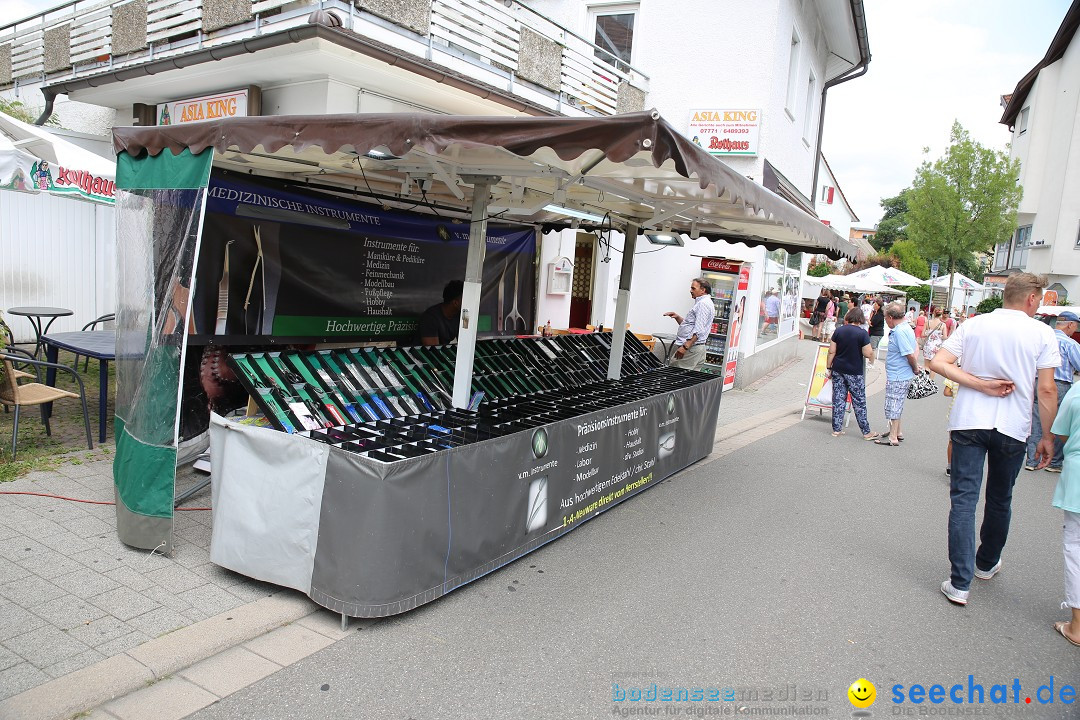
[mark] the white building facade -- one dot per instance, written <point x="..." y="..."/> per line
<point x="769" y="59"/>
<point x="1044" y="117"/>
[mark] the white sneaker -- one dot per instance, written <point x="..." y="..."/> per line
<point x="955" y="596"/>
<point x="987" y="574"/>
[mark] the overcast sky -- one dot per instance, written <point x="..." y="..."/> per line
<point x="933" y="61"/>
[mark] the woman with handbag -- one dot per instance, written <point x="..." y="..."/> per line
<point x="877" y="325"/>
<point x="935" y="333"/>
<point x="829" y="324"/>
<point x="817" y="317"/>
<point x="849" y="347"/>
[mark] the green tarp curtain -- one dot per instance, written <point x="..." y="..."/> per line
<point x="164" y="171"/>
<point x="160" y="203"/>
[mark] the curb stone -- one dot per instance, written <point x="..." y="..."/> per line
<point x="133" y="670"/>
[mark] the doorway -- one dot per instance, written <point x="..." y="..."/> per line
<point x="581" y="288"/>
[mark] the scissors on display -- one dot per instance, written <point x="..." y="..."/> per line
<point x="514" y="322"/>
<point x="502" y="280"/>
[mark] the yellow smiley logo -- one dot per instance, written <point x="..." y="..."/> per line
<point x="862" y="693"/>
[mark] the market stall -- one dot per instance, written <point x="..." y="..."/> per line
<point x="482" y="454"/>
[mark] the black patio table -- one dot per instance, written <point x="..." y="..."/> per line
<point x="35" y="314"/>
<point x="100" y="344"/>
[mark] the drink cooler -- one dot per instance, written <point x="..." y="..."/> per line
<point x="371" y="531"/>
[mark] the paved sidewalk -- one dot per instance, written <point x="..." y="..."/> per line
<point x="85" y="620"/>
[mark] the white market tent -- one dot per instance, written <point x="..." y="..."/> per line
<point x="887" y="276"/>
<point x="15" y="167"/>
<point x="959" y="282"/>
<point x="1055" y="310"/>
<point x="965" y="291"/>
<point x="850" y="283"/>
<point x="57" y="166"/>
<point x="57" y="230"/>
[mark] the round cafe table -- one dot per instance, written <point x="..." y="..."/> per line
<point x="35" y="315"/>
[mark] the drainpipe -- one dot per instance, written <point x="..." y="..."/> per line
<point x="50" y="97"/>
<point x="858" y="13"/>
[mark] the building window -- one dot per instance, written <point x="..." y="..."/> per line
<point x="793" y="74"/>
<point x="827" y="192"/>
<point x="779" y="305"/>
<point x="1021" y="247"/>
<point x="808" y="119"/>
<point x="1001" y="256"/>
<point x="1021" y="126"/>
<point x="613" y="33"/>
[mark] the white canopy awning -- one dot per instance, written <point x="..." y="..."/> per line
<point x="16" y="167"/>
<point x="887" y="276"/>
<point x="960" y="282"/>
<point x="628" y="170"/>
<point x="56" y="165"/>
<point x="850" y="283"/>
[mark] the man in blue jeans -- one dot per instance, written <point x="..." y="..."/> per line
<point x="1002" y="354"/>
<point x="1066" y="325"/>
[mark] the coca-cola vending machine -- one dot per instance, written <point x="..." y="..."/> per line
<point x="730" y="280"/>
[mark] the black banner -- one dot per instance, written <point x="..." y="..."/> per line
<point x="290" y="264"/>
<point x="394" y="537"/>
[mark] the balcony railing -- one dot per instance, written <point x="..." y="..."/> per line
<point x="486" y="35"/>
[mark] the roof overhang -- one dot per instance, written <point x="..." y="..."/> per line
<point x="844" y="25"/>
<point x="1057" y="49"/>
<point x="631" y="170"/>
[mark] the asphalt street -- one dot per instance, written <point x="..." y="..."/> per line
<point x="784" y="572"/>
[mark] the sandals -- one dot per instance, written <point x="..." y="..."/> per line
<point x="1060" y="628"/>
<point x="872" y="436"/>
<point x="886" y="441"/>
<point x="838" y="434"/>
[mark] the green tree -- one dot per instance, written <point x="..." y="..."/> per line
<point x="882" y="259"/>
<point x="918" y="293"/>
<point x="911" y="260"/>
<point x="819" y="269"/>
<point x="20" y="111"/>
<point x="964" y="202"/>
<point x="990" y="304"/>
<point x="893" y="224"/>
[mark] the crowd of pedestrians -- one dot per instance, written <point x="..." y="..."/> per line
<point x="1014" y="406"/>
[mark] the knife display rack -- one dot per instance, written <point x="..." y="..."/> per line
<point x="394" y="403"/>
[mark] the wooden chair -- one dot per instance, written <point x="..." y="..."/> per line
<point x="35" y="393"/>
<point x="7" y="338"/>
<point x="15" y="371"/>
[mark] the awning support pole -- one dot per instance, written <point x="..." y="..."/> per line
<point x="470" y="297"/>
<point x="622" y="304"/>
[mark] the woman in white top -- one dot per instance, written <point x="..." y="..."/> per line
<point x="935" y="333"/>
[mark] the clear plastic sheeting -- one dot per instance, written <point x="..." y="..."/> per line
<point x="156" y="245"/>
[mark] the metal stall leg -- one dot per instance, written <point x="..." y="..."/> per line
<point x="622" y="305"/>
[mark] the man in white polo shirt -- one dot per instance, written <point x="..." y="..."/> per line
<point x="1002" y="354"/>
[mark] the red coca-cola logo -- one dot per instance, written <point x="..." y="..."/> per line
<point x="718" y="265"/>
